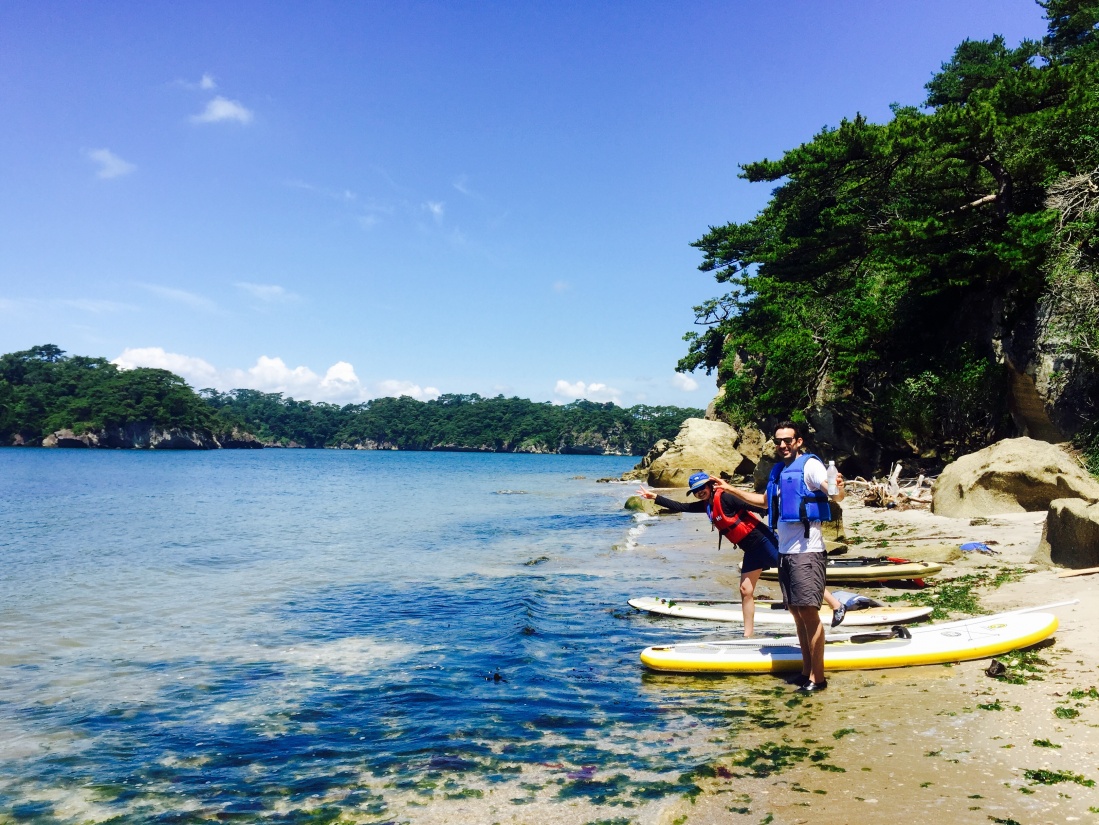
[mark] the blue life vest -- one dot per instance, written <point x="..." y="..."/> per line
<point x="790" y="499"/>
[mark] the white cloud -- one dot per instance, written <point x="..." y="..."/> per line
<point x="194" y="371"/>
<point x="205" y="83"/>
<point x="267" y="293"/>
<point x="98" y="306"/>
<point x="462" y="185"/>
<point x="436" y="208"/>
<point x="684" y="382"/>
<point x="182" y="296"/>
<point x="395" y="389"/>
<point x="220" y="109"/>
<point x="110" y="164"/>
<point x="338" y="385"/>
<point x="592" y="392"/>
<point x="334" y="194"/>
<point x="561" y="286"/>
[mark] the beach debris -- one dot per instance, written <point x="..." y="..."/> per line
<point x="996" y="668"/>
<point x="1087" y="571"/>
<point x="894" y="491"/>
<point x="979" y="547"/>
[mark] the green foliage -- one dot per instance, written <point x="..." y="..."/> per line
<point x="42" y="390"/>
<point x="889" y="254"/>
<point x="1087" y="442"/>
<point x="454" y="422"/>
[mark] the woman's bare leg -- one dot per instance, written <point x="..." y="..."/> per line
<point x="748" y="601"/>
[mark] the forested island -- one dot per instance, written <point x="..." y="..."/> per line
<point x="53" y="399"/>
<point x="921" y="288"/>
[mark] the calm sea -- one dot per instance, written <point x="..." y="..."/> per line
<point x="312" y="636"/>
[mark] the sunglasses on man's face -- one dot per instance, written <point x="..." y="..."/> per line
<point x="780" y="441"/>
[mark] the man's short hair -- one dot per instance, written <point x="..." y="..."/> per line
<point x="790" y="425"/>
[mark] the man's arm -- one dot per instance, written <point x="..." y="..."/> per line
<point x="816" y="478"/>
<point x="754" y="499"/>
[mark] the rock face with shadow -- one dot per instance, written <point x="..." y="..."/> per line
<point x="1012" y="476"/>
<point x="1070" y="537"/>
<point x="134" y="437"/>
<point x="701" y="445"/>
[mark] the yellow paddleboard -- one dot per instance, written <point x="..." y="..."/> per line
<point x="974" y="638"/>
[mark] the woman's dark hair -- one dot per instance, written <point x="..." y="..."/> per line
<point x="790" y="425"/>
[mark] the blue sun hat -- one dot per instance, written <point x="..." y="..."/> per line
<point x="698" y="481"/>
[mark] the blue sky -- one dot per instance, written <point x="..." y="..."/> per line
<point x="342" y="200"/>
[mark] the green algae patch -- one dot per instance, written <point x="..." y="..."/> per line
<point x="770" y="758"/>
<point x="466" y="793"/>
<point x="959" y="595"/>
<point x="1021" y="666"/>
<point x="1063" y="712"/>
<point x="610" y="791"/>
<point x="842" y="732"/>
<point x="1090" y="693"/>
<point x="1047" y="777"/>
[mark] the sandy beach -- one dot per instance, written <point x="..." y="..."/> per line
<point x="906" y="744"/>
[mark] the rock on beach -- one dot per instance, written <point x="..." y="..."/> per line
<point x="1015" y="475"/>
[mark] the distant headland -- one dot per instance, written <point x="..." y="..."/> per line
<point x="51" y="399"/>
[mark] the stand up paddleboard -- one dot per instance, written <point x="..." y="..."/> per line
<point x="870" y="569"/>
<point x="773" y="612"/>
<point x="978" y="637"/>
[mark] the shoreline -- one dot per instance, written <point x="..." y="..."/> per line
<point x="935" y="740"/>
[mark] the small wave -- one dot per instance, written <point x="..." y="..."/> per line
<point x="511" y="492"/>
<point x="643" y="520"/>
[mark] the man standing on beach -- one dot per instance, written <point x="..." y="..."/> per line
<point x="741" y="526"/>
<point x="797" y="500"/>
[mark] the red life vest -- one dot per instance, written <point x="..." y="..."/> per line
<point x="735" y="527"/>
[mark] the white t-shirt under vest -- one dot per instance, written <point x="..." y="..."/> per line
<point x="791" y="534"/>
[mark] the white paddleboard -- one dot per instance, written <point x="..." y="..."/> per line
<point x="766" y="614"/>
<point x="978" y="637"/>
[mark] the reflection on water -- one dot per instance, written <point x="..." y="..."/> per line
<point x="312" y="634"/>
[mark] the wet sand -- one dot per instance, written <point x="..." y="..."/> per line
<point x="907" y="744"/>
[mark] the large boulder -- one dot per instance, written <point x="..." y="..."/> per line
<point x="640" y="472"/>
<point x="1071" y="534"/>
<point x="700" y="445"/>
<point x="1012" y="476"/>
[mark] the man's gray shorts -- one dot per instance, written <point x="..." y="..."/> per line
<point x="801" y="576"/>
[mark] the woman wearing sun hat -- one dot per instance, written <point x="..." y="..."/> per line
<point x="739" y="523"/>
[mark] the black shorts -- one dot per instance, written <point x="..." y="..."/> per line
<point x="801" y="576"/>
<point x="760" y="550"/>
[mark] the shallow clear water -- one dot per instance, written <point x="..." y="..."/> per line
<point x="301" y="635"/>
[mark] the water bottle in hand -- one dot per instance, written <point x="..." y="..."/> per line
<point x="833" y="489"/>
